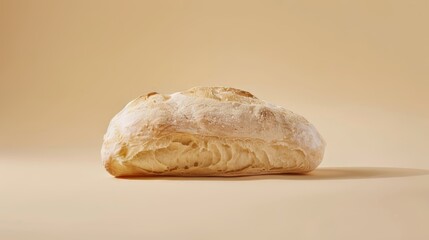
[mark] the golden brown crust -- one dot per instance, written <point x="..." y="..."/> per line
<point x="209" y="131"/>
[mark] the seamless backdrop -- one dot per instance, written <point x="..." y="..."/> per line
<point x="358" y="70"/>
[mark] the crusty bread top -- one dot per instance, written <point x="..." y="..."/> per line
<point x="208" y="111"/>
<point x="223" y="94"/>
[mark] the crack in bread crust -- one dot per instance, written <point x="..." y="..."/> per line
<point x="183" y="154"/>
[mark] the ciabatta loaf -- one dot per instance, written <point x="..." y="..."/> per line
<point x="209" y="131"/>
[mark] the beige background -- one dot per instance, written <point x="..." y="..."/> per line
<point x="359" y="70"/>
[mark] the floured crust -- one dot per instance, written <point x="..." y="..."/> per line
<point x="209" y="131"/>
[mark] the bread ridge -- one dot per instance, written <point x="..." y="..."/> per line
<point x="210" y="115"/>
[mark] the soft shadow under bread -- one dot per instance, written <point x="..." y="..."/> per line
<point x="324" y="173"/>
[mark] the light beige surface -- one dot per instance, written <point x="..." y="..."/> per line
<point x="73" y="198"/>
<point x="358" y="70"/>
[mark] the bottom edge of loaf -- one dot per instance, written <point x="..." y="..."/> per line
<point x="193" y="155"/>
<point x="120" y="170"/>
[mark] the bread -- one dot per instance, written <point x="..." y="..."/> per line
<point x="209" y="131"/>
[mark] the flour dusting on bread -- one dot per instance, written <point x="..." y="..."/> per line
<point x="209" y="131"/>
